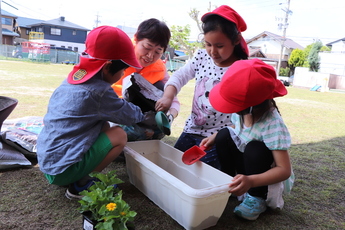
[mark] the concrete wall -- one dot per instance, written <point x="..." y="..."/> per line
<point x="306" y="79"/>
<point x="332" y="62"/>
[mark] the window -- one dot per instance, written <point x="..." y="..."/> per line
<point x="74" y="32"/>
<point x="6" y="21"/>
<point x="55" y="31"/>
<point x="75" y="49"/>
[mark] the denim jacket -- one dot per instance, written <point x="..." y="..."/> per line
<point x="75" y="117"/>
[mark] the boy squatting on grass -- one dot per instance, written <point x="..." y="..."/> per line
<point x="254" y="150"/>
<point x="77" y="139"/>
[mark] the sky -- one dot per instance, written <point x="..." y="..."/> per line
<point x="309" y="21"/>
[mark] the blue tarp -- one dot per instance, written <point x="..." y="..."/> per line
<point x="179" y="53"/>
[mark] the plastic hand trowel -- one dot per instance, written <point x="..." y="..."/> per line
<point x="193" y="154"/>
<point x="163" y="122"/>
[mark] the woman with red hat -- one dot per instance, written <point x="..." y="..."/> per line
<point x="224" y="45"/>
<point x="254" y="150"/>
<point x="77" y="138"/>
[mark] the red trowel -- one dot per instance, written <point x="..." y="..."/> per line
<point x="193" y="154"/>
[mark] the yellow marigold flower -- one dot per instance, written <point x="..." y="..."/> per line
<point x="111" y="206"/>
<point x="123" y="213"/>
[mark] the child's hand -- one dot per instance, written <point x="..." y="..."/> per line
<point x="240" y="185"/>
<point x="163" y="104"/>
<point x="208" y="142"/>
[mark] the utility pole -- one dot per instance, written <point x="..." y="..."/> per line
<point x="97" y="20"/>
<point x="287" y="12"/>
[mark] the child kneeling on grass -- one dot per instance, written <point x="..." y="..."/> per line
<point x="254" y="150"/>
<point x="77" y="138"/>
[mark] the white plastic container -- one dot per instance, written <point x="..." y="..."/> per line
<point x="194" y="195"/>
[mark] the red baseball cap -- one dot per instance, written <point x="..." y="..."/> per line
<point x="230" y="14"/>
<point x="104" y="43"/>
<point x="246" y="83"/>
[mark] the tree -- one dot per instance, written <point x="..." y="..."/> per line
<point x="307" y="50"/>
<point x="179" y="39"/>
<point x="180" y="34"/>
<point x="325" y="48"/>
<point x="194" y="14"/>
<point x="313" y="58"/>
<point x="296" y="59"/>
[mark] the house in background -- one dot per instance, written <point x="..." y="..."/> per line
<point x="8" y="22"/>
<point x="61" y="33"/>
<point x="130" y="31"/>
<point x="333" y="61"/>
<point x="23" y="29"/>
<point x="331" y="74"/>
<point x="269" y="45"/>
<point x="57" y="32"/>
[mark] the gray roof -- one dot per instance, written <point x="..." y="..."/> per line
<point x="331" y="43"/>
<point x="290" y="44"/>
<point x="61" y="22"/>
<point x="25" y="22"/>
<point x="5" y="13"/>
<point x="9" y="33"/>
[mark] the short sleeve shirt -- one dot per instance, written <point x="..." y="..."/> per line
<point x="272" y="131"/>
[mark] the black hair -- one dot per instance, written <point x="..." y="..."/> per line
<point x="260" y="111"/>
<point x="218" y="23"/>
<point x="154" y="30"/>
<point x="117" y="65"/>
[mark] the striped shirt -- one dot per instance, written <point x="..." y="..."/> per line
<point x="272" y="131"/>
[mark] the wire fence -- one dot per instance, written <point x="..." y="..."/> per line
<point x="55" y="55"/>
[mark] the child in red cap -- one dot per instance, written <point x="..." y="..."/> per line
<point x="254" y="149"/>
<point x="224" y="45"/>
<point x="76" y="138"/>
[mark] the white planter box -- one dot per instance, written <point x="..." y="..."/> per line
<point x="194" y="195"/>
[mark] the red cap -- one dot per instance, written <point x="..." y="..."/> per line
<point x="246" y="83"/>
<point x="230" y="14"/>
<point x="104" y="43"/>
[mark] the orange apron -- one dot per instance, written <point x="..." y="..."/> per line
<point x="152" y="73"/>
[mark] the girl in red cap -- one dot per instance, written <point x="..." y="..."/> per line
<point x="254" y="150"/>
<point x="224" y="45"/>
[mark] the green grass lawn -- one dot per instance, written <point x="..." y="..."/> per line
<point x="316" y="122"/>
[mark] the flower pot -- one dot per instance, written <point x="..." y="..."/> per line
<point x="88" y="223"/>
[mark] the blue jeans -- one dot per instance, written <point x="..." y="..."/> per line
<point x="187" y="140"/>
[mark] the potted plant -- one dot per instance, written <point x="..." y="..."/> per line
<point x="102" y="205"/>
